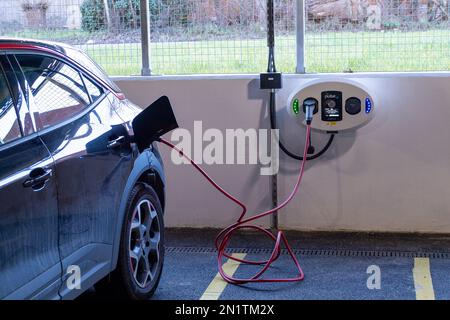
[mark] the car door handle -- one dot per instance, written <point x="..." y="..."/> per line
<point x="38" y="178"/>
<point x="115" y="143"/>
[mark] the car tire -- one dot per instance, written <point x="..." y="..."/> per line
<point x="141" y="252"/>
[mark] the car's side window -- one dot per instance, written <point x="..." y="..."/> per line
<point x="16" y="79"/>
<point x="58" y="90"/>
<point x="9" y="125"/>
<point x="93" y="90"/>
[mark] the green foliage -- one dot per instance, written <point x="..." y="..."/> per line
<point x="171" y="13"/>
<point x="124" y="14"/>
<point x="127" y="11"/>
<point x="387" y="25"/>
<point x="92" y="15"/>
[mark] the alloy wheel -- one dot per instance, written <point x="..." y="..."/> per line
<point x="144" y="242"/>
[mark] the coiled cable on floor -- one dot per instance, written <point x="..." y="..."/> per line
<point x="223" y="238"/>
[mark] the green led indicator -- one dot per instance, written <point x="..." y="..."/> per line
<point x="295" y="106"/>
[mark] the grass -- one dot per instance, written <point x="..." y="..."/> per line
<point x="325" y="52"/>
<point x="61" y="35"/>
<point x="376" y="51"/>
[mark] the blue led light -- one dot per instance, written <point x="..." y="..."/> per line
<point x="368" y="105"/>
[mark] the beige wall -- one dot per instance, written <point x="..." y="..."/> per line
<point x="391" y="175"/>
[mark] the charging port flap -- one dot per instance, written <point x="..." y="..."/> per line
<point x="153" y="122"/>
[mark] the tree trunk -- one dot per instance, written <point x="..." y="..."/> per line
<point x="133" y="14"/>
<point x="107" y="14"/>
<point x="355" y="10"/>
<point x="350" y="10"/>
<point x="422" y="11"/>
<point x="261" y="11"/>
<point x="373" y="21"/>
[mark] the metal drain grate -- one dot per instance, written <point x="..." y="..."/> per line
<point x="312" y="252"/>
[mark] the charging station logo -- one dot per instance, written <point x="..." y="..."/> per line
<point x="236" y="146"/>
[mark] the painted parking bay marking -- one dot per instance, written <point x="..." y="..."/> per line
<point x="422" y="279"/>
<point x="218" y="285"/>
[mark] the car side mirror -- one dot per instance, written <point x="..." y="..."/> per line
<point x="153" y="122"/>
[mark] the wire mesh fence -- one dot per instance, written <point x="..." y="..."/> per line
<point x="110" y="34"/>
<point x="187" y="36"/>
<point x="229" y="36"/>
<point x="377" y="35"/>
<point x="210" y="36"/>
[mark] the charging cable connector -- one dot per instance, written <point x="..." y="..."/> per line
<point x="310" y="105"/>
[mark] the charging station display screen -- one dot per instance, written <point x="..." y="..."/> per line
<point x="331" y="106"/>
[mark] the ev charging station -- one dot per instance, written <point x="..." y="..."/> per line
<point x="331" y="106"/>
<point x="338" y="105"/>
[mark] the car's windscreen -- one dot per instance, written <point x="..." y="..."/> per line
<point x="86" y="62"/>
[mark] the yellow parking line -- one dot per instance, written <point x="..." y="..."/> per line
<point x="217" y="285"/>
<point x="422" y="279"/>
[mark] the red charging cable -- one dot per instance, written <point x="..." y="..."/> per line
<point x="224" y="237"/>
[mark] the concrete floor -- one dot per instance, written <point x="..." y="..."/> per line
<point x="335" y="266"/>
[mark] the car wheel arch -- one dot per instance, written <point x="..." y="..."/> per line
<point x="145" y="171"/>
<point x="152" y="178"/>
